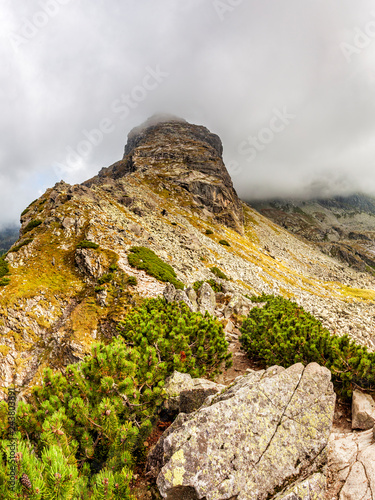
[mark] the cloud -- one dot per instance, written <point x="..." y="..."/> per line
<point x="77" y="76"/>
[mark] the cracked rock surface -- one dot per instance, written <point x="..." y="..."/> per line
<point x="254" y="440"/>
<point x="352" y="466"/>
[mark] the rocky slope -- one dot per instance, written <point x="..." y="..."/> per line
<point x="343" y="226"/>
<point x="171" y="193"/>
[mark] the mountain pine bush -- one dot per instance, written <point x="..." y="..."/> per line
<point x="87" y="244"/>
<point x="32" y="224"/>
<point x="81" y="432"/>
<point x="146" y="259"/>
<point x="283" y="333"/>
<point x="219" y="273"/>
<point x="186" y="341"/>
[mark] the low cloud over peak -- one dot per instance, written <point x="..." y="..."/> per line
<point x="288" y="86"/>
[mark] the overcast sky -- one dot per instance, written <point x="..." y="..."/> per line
<point x="289" y="86"/>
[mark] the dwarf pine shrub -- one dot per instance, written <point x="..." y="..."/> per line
<point x="32" y="224"/>
<point x="144" y="258"/>
<point x="224" y="242"/>
<point x="219" y="273"/>
<point x="283" y="333"/>
<point x="87" y="244"/>
<point x="82" y="431"/>
<point x="186" y="341"/>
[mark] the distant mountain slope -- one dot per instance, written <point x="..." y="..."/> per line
<point x="342" y="226"/>
<point x="7" y="237"/>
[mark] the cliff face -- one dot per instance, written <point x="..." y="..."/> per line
<point x="171" y="193"/>
<point x="187" y="155"/>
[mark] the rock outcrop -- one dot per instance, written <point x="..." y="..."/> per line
<point x="187" y="155"/>
<point x="266" y="431"/>
<point x="186" y="394"/>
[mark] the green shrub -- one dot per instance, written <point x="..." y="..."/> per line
<point x="224" y="242"/>
<point x="24" y="212"/>
<point x="216" y="287"/>
<point x="106" y="278"/>
<point x="4" y="281"/>
<point x="282" y="333"/>
<point x="146" y="259"/>
<point x="82" y="432"/>
<point x="209" y="231"/>
<point x="87" y="244"/>
<point x="113" y="267"/>
<point x="219" y="273"/>
<point x="32" y="224"/>
<point x="99" y="288"/>
<point x="174" y="329"/>
<point x="131" y="281"/>
<point x="20" y="245"/>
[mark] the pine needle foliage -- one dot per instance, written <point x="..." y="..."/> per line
<point x="219" y="273"/>
<point x="283" y="333"/>
<point x="184" y="340"/>
<point x="32" y="224"/>
<point x="82" y="431"/>
<point x="87" y="244"/>
<point x="144" y="258"/>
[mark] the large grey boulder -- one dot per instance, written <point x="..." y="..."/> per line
<point x="206" y="299"/>
<point x="238" y="305"/>
<point x="187" y="394"/>
<point x="89" y="262"/>
<point x="351" y="466"/>
<point x="251" y="441"/>
<point x="363" y="411"/>
<point x="172" y="295"/>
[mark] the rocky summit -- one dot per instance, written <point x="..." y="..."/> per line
<point x="79" y="267"/>
<point x="186" y="155"/>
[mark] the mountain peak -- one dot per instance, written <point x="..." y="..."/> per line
<point x="184" y="156"/>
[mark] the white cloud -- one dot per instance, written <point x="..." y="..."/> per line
<point x="227" y="74"/>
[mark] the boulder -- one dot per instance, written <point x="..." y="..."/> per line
<point x="351" y="466"/>
<point x="238" y="305"/>
<point x="251" y="441"/>
<point x="172" y="295"/>
<point x="187" y="394"/>
<point x="363" y="411"/>
<point x="192" y="296"/>
<point x="206" y="299"/>
<point x="89" y="262"/>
